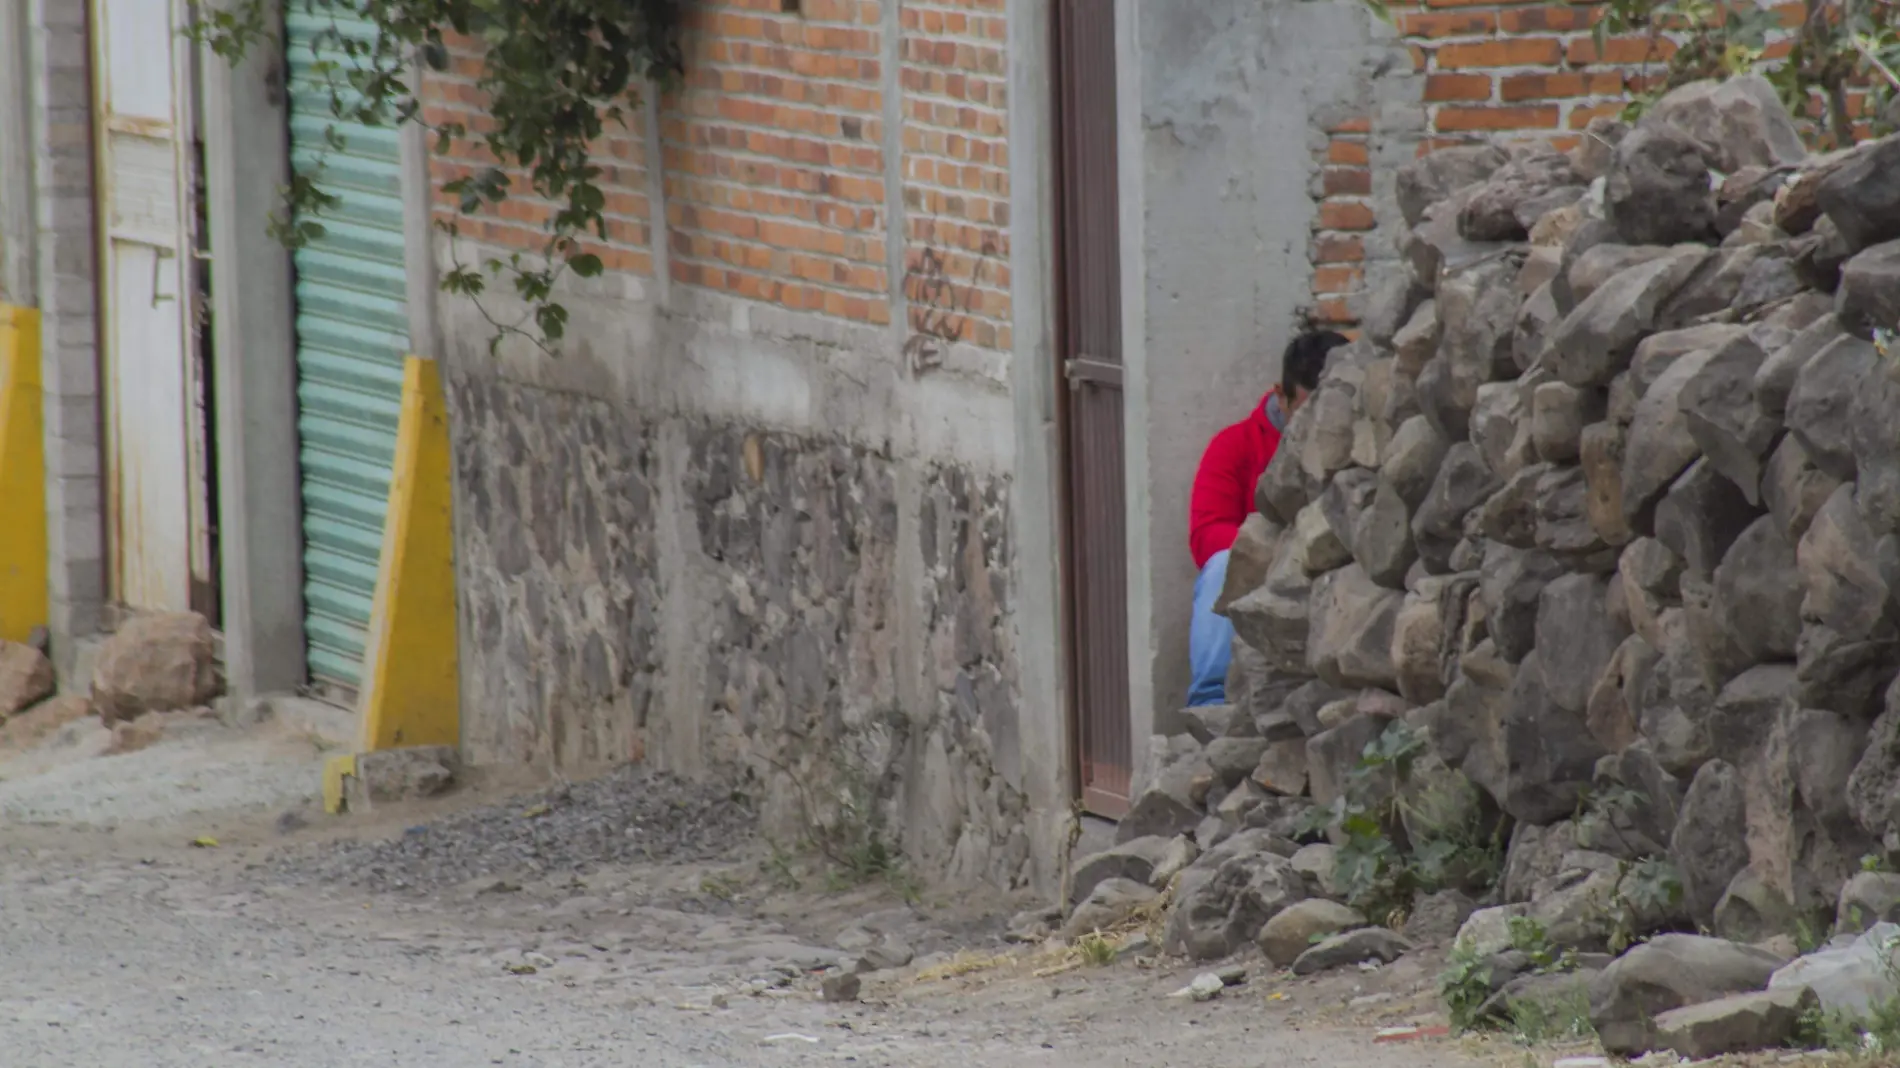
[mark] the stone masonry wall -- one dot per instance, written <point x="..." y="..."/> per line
<point x="1616" y="513"/>
<point x="1506" y="73"/>
<point x="676" y="543"/>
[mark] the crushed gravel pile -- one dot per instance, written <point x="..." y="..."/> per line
<point x="629" y="816"/>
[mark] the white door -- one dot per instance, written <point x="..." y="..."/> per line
<point x="156" y="507"/>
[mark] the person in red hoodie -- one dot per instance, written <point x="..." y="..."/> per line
<point x="1223" y="497"/>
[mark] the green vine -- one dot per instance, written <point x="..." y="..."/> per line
<point x="555" y="75"/>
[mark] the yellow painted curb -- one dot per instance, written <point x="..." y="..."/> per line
<point x="336" y="771"/>
<point x="412" y="694"/>
<point x="23" y="597"/>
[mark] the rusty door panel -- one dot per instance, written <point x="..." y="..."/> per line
<point x="1091" y="353"/>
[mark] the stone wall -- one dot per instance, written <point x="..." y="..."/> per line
<point x="743" y="603"/>
<point x="1597" y="555"/>
<point x="1615" y="509"/>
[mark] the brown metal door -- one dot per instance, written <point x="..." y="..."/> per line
<point x="1091" y="354"/>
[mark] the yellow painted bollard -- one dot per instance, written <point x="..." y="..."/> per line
<point x="412" y="690"/>
<point x="23" y="597"/>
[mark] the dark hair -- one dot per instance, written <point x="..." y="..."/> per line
<point x="1305" y="359"/>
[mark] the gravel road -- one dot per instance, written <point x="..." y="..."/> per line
<point x="126" y="948"/>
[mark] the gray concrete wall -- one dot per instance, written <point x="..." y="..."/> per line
<point x="65" y="251"/>
<point x="1218" y="122"/>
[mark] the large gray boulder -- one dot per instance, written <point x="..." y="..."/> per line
<point x="1559" y="412"/>
<point x="1134" y="860"/>
<point x="1660" y="445"/>
<point x="1463" y="483"/>
<point x="1289" y="935"/>
<point x="1565" y="527"/>
<point x="1735" y="123"/>
<point x="1658" y="190"/>
<point x="1758" y="593"/>
<point x="1223" y="901"/>
<point x="1382" y="537"/>
<point x="1596" y="340"/>
<point x="1710" y="846"/>
<point x="1718" y="404"/>
<point x="1433" y="177"/>
<point x="1738" y="1023"/>
<point x="1843" y="674"/>
<point x="1602" y="451"/>
<point x="1375" y="944"/>
<point x="1794" y="487"/>
<point x="1672" y="699"/>
<point x="1862" y="195"/>
<point x="1512" y="584"/>
<point x="1536" y="175"/>
<point x="1477" y="307"/>
<point x="1776" y="376"/>
<point x="1659" y="351"/>
<point x="1665" y="973"/>
<point x="1578" y="636"/>
<point x="1867" y="899"/>
<point x="1172" y="803"/>
<point x="1350" y="641"/>
<point x="1331" y="755"/>
<point x="1846" y="590"/>
<point x="1701" y="516"/>
<point x="1875" y="414"/>
<point x="1550" y="754"/>
<point x="1410" y="461"/>
<point x="1873" y="791"/>
<point x="1820" y="407"/>
<point x="1869" y="297"/>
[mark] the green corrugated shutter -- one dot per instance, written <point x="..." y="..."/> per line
<point x="352" y="335"/>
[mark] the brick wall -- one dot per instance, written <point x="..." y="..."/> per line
<point x="775" y="170"/>
<point x="1504" y="72"/>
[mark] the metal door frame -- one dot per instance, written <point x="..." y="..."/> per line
<point x="1069" y="371"/>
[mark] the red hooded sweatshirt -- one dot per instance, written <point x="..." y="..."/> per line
<point x="1223" y="487"/>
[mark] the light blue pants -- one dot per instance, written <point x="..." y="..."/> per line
<point x="1210" y="637"/>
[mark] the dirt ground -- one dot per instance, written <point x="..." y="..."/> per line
<point x="125" y="944"/>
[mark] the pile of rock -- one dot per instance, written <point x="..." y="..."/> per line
<point x="1606" y="502"/>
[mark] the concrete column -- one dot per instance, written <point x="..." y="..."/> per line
<point x="1035" y="507"/>
<point x="65" y="250"/>
<point x="247" y="162"/>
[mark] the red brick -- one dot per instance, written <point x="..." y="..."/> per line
<point x="1337" y="279"/>
<point x="1358" y="125"/>
<point x="1345" y="215"/>
<point x="1432" y="25"/>
<point x="1454" y="118"/>
<point x="1347" y="181"/>
<point x="1351" y="153"/>
<point x="1440" y="88"/>
<point x="1547" y="18"/>
<point x="1515" y="52"/>
<point x="1581" y="115"/>
<point x="1517" y="87"/>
